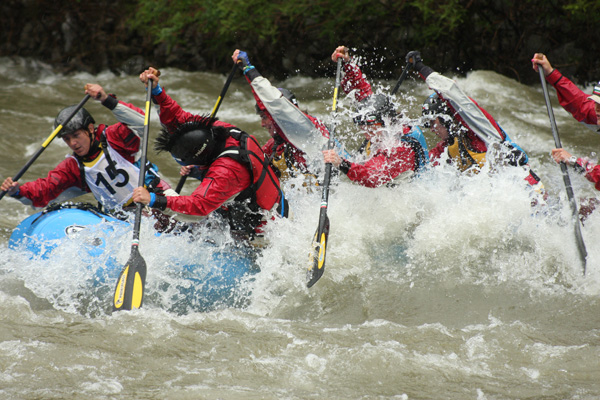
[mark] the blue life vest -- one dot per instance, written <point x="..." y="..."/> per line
<point x="416" y="140"/>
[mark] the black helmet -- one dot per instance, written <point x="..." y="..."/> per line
<point x="435" y="107"/>
<point x="190" y="143"/>
<point x="80" y="120"/>
<point x="373" y="110"/>
<point x="287" y="94"/>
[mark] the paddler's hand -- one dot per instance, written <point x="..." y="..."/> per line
<point x="561" y="155"/>
<point x="95" y="91"/>
<point x="341" y="51"/>
<point x="331" y="156"/>
<point x="150" y="73"/>
<point x="9" y="186"/>
<point x="141" y="195"/>
<point x="540" y="59"/>
<point x="186" y="169"/>
<point x="413" y="57"/>
<point x="237" y="59"/>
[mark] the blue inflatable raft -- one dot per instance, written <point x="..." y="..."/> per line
<point x="211" y="277"/>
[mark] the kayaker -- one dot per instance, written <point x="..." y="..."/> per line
<point x="395" y="152"/>
<point x="280" y="104"/>
<point x="583" y="107"/>
<point x="236" y="182"/>
<point x="105" y="159"/>
<point x="466" y="129"/>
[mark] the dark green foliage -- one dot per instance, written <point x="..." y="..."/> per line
<point x="289" y="37"/>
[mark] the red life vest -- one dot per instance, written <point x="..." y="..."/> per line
<point x="265" y="190"/>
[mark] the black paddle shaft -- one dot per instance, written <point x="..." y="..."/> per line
<point x="405" y="72"/>
<point x="47" y="142"/>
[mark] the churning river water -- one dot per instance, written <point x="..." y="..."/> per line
<point x="447" y="287"/>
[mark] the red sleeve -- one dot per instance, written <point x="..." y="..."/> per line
<point x="592" y="173"/>
<point x="383" y="167"/>
<point x="268" y="147"/>
<point x="41" y="191"/>
<point x="573" y="99"/>
<point x="171" y="113"/>
<point x="224" y="179"/>
<point x="354" y="79"/>
<point x="438" y="150"/>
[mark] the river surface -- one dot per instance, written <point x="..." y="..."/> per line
<point x="448" y="287"/>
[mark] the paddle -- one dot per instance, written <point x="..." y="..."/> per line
<point x="213" y="113"/>
<point x="565" y="174"/>
<point x="317" y="259"/>
<point x="47" y="142"/>
<point x="129" y="292"/>
<point x="405" y="72"/>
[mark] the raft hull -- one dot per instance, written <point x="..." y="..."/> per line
<point x="185" y="285"/>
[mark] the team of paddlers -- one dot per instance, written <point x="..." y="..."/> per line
<point x="240" y="180"/>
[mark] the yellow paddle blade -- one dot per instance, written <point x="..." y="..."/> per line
<point x="323" y="246"/>
<point x="120" y="290"/>
<point x="138" y="291"/>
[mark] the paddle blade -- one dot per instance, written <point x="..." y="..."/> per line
<point x="316" y="262"/>
<point x="129" y="292"/>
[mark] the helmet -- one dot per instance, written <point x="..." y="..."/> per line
<point x="373" y="110"/>
<point x="190" y="143"/>
<point x="193" y="147"/>
<point x="434" y="107"/>
<point x="287" y="94"/>
<point x="80" y="120"/>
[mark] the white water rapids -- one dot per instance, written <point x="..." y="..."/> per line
<point x="448" y="287"/>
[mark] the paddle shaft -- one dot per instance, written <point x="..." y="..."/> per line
<point x="317" y="262"/>
<point x="330" y="146"/>
<point x="403" y="76"/>
<point x="213" y="114"/>
<point x="143" y="162"/>
<point x="47" y="142"/>
<point x="565" y="175"/>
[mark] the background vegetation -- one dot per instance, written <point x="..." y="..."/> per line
<point x="286" y="38"/>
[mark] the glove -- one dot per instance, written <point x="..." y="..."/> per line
<point x="243" y="57"/>
<point x="413" y="57"/>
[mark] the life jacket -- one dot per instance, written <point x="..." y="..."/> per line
<point x="416" y="140"/>
<point x="265" y="190"/>
<point x="463" y="155"/>
<point x="114" y="182"/>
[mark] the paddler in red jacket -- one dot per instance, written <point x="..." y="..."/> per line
<point x="235" y="179"/>
<point x="396" y="152"/>
<point x="104" y="159"/>
<point x="467" y="131"/>
<point x="584" y="108"/>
